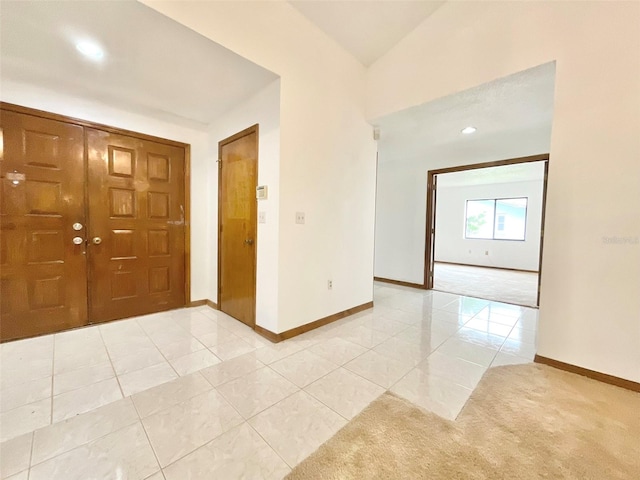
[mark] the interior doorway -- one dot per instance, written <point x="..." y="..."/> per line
<point x="94" y="223"/>
<point x="237" y="225"/>
<point x="487" y="242"/>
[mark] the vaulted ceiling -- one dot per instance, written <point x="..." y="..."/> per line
<point x="367" y="29"/>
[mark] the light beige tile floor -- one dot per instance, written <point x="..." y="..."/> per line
<point x="194" y="394"/>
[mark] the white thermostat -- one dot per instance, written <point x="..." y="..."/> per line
<point x="261" y="192"/>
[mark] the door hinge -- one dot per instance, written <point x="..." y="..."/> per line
<point x="219" y="163"/>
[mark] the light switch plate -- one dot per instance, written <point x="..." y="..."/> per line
<point x="262" y="217"/>
<point x="300" y="217"/>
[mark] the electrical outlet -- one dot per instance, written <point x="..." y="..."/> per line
<point x="329" y="284"/>
<point x="300" y="217"/>
<point x="262" y="217"/>
<point x="486" y="252"/>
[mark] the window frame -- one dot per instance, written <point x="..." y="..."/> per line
<point x="493" y="229"/>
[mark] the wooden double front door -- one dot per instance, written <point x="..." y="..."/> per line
<point x="92" y="225"/>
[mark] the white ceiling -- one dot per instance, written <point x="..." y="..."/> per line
<point x="520" y="172"/>
<point x="163" y="67"/>
<point x="367" y="29"/>
<point x="509" y="112"/>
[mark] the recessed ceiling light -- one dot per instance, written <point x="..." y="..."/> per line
<point x="468" y="130"/>
<point x="90" y="50"/>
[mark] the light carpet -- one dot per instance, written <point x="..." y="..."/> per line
<point x="510" y="286"/>
<point x="522" y="422"/>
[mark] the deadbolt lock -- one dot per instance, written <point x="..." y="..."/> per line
<point x="96" y="240"/>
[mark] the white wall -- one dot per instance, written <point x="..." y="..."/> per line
<point x="451" y="244"/>
<point x="401" y="201"/>
<point x="51" y="101"/>
<point x="590" y="307"/>
<point x="327" y="153"/>
<point x="263" y="109"/>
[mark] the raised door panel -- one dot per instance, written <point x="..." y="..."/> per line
<point x="136" y="205"/>
<point x="43" y="271"/>
<point x="237" y="256"/>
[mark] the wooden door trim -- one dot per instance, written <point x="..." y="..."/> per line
<point x="542" y="219"/>
<point x="247" y="131"/>
<point x="429" y="246"/>
<point x="143" y="136"/>
<point x="187" y="224"/>
<point x="87" y="123"/>
<point x="430" y="224"/>
<point x="496" y="163"/>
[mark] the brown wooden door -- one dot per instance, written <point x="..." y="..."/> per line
<point x="136" y="226"/>
<point x="43" y="275"/>
<point x="237" y="220"/>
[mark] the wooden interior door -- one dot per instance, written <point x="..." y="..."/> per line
<point x="43" y="279"/>
<point x="238" y="157"/>
<point x="137" y="226"/>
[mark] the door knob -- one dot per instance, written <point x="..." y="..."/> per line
<point x="96" y="240"/>
<point x="77" y="226"/>
<point x="78" y="240"/>
<point x="249" y="241"/>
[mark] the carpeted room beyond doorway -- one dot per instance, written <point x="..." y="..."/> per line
<point x="522" y="422"/>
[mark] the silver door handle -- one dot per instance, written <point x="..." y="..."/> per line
<point x="78" y="240"/>
<point x="96" y="240"/>
<point x="249" y="241"/>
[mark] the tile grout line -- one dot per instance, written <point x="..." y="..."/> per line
<point x="223" y="360"/>
<point x="326" y="375"/>
<point x="139" y="419"/>
<point x="192" y="336"/>
<point x="33" y="441"/>
<point x="53" y="371"/>
<point x="298" y="389"/>
<point x="244" y="420"/>
<point x="262" y="365"/>
<point x="431" y="353"/>
<point x="148" y="366"/>
<point x="146" y="434"/>
<point x="104" y="344"/>
<point x="162" y="354"/>
<point x="267" y="408"/>
<point x="169" y="407"/>
<point x="211" y="440"/>
<point x="77" y="446"/>
<point x="268" y="444"/>
<point x="159" y="351"/>
<point x="301" y="389"/>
